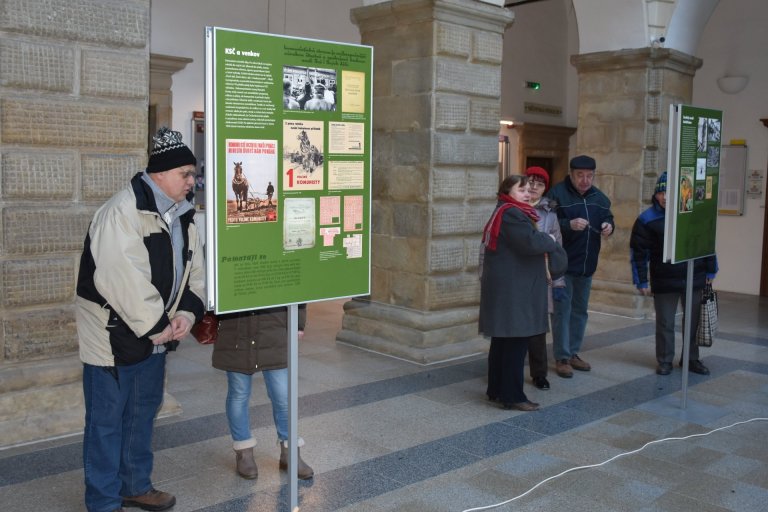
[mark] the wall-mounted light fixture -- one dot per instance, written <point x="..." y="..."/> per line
<point x="732" y="84"/>
<point x="508" y="123"/>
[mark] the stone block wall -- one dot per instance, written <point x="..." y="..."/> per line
<point x="74" y="82"/>
<point x="624" y="99"/>
<point x="466" y="87"/>
<point x="74" y="88"/>
<point x="436" y="102"/>
<point x="437" y="90"/>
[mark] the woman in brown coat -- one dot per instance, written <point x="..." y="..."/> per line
<point x="250" y="342"/>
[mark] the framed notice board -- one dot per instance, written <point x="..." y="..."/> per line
<point x="733" y="172"/>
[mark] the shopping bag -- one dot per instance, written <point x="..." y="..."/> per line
<point x="705" y="334"/>
<point x="206" y="331"/>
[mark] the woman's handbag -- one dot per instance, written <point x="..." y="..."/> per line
<point x="206" y="331"/>
<point x="705" y="334"/>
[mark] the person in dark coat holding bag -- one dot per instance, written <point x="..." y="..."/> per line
<point x="668" y="281"/>
<point x="251" y="342"/>
<point x="513" y="289"/>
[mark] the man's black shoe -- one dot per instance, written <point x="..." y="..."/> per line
<point x="541" y="382"/>
<point x="697" y="367"/>
<point x="664" y="368"/>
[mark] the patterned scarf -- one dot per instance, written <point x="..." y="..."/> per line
<point x="493" y="226"/>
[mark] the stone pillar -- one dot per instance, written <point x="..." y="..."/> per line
<point x="436" y="108"/>
<point x="624" y="99"/>
<point x="73" y="97"/>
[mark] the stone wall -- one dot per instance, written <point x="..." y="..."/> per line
<point x="624" y="99"/>
<point x="436" y="105"/>
<point x="436" y="150"/>
<point x="74" y="82"/>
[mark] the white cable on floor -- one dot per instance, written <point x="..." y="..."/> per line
<point x="488" y="507"/>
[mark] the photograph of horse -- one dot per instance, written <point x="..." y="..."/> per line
<point x="240" y="187"/>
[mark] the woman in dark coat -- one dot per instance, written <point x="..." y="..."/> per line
<point x="513" y="289"/>
<point x="250" y="342"/>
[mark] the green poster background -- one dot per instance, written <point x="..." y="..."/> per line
<point x="310" y="238"/>
<point x="693" y="182"/>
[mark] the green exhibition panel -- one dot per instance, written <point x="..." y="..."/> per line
<point x="692" y="182"/>
<point x="288" y="125"/>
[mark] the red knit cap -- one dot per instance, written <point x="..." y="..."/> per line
<point x="540" y="173"/>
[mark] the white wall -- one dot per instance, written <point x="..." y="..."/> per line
<point x="734" y="41"/>
<point x="328" y="20"/>
<point x="608" y="25"/>
<point x="571" y="75"/>
<point x="536" y="49"/>
<point x="178" y="28"/>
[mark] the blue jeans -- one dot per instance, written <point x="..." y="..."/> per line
<point x="570" y="317"/>
<point x="120" y="407"/>
<point x="239" y="396"/>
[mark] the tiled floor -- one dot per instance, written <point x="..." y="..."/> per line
<point x="386" y="435"/>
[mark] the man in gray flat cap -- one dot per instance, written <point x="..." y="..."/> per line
<point x="585" y="217"/>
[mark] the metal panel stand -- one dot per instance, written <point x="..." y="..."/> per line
<point x="293" y="407"/>
<point x="687" y="332"/>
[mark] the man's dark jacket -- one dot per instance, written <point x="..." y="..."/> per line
<point x="646" y="246"/>
<point x="582" y="247"/>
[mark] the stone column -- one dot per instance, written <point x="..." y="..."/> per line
<point x="73" y="98"/>
<point x="624" y="99"/>
<point x="436" y="108"/>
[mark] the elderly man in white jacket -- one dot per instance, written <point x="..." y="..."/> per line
<point x="139" y="291"/>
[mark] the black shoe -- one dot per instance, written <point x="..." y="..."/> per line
<point x="698" y="367"/>
<point x="664" y="368"/>
<point x="526" y="406"/>
<point x="541" y="382"/>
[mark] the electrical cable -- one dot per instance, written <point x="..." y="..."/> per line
<point x="488" y="507"/>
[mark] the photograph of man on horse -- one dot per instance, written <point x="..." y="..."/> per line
<point x="308" y="156"/>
